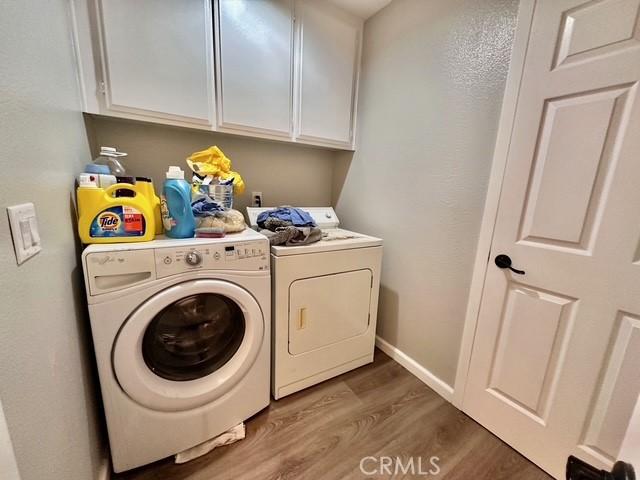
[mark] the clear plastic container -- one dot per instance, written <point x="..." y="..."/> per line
<point x="109" y="156"/>
<point x="222" y="194"/>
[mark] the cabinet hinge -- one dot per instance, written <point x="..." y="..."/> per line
<point x="102" y="88"/>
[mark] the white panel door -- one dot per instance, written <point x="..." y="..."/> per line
<point x="630" y="449"/>
<point x="556" y="357"/>
<point x="327" y="68"/>
<point x="158" y="58"/>
<point x="255" y="65"/>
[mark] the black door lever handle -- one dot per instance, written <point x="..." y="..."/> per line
<point x="504" y="261"/>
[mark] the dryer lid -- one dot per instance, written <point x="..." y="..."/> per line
<point x="325" y="217"/>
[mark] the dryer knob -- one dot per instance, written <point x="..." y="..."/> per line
<point x="193" y="258"/>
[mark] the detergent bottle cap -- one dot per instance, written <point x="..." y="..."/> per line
<point x="175" y="173"/>
<point x="87" y="180"/>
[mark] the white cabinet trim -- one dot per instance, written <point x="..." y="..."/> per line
<point x="83" y="18"/>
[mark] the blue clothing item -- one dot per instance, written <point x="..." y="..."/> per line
<point x="206" y="206"/>
<point x="295" y="216"/>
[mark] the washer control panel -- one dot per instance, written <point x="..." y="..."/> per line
<point x="224" y="256"/>
<point x="193" y="258"/>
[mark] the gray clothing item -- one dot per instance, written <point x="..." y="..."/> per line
<point x="291" y="236"/>
<point x="273" y="223"/>
<point x="305" y="236"/>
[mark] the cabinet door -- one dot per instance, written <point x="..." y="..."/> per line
<point x="327" y="67"/>
<point x="158" y="58"/>
<point x="255" y="64"/>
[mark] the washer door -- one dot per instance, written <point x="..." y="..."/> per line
<point x="188" y="345"/>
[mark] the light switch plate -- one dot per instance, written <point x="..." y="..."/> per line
<point x="24" y="229"/>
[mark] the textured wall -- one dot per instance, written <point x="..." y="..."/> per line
<point x="45" y="359"/>
<point x="284" y="173"/>
<point x="432" y="84"/>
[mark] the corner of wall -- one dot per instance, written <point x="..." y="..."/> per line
<point x="436" y="384"/>
<point x="341" y="163"/>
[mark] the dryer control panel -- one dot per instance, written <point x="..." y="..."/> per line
<point x="223" y="256"/>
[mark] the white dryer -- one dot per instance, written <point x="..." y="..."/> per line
<point x="324" y="304"/>
<point x="181" y="332"/>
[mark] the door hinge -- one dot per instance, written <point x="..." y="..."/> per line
<point x="102" y="88"/>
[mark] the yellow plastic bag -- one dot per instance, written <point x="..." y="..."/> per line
<point x="214" y="162"/>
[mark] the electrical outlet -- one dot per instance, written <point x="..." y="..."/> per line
<point x="256" y="199"/>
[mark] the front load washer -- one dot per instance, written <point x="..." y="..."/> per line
<point x="324" y="304"/>
<point x="181" y="331"/>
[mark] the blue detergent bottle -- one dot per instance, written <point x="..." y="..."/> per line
<point x="175" y="205"/>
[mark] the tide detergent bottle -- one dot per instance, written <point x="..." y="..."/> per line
<point x="175" y="205"/>
<point x="104" y="217"/>
<point x="146" y="186"/>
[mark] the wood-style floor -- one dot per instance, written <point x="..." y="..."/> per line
<point x="323" y="432"/>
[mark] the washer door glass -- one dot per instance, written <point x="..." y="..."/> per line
<point x="193" y="337"/>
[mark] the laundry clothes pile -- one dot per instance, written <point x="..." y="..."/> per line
<point x="211" y="214"/>
<point x="293" y="216"/>
<point x="288" y="226"/>
<point x="204" y="206"/>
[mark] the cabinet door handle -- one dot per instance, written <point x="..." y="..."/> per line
<point x="302" y="318"/>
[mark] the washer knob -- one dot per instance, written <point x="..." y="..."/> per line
<point x="193" y="258"/>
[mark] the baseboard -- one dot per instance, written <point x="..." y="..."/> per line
<point x="104" y="471"/>
<point x="437" y="385"/>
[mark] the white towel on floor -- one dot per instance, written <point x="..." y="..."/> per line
<point x="230" y="436"/>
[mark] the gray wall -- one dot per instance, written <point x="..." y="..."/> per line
<point x="45" y="359"/>
<point x="432" y="84"/>
<point x="284" y="173"/>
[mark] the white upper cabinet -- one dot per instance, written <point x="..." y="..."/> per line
<point x="157" y="58"/>
<point x="277" y="69"/>
<point x="254" y="47"/>
<point x="328" y="57"/>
